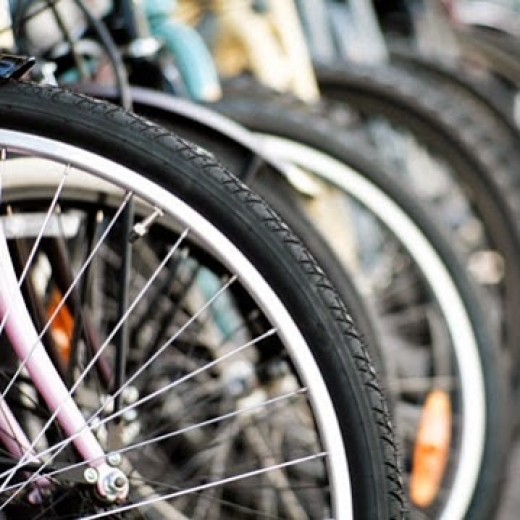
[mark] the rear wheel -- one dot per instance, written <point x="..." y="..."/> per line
<point x="396" y="249"/>
<point x="468" y="171"/>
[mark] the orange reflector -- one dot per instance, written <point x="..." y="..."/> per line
<point x="62" y="325"/>
<point x="431" y="450"/>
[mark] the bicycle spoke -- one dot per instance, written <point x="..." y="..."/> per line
<point x="67" y="294"/>
<point x="97" y="354"/>
<point x="55" y="450"/>
<point x="46" y="327"/>
<point x="161" y="438"/>
<point x="203" y="487"/>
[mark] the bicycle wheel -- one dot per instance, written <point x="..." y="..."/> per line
<point x="236" y="424"/>
<point x="476" y="163"/>
<point x="407" y="295"/>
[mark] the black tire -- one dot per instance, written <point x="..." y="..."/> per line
<point x="193" y="175"/>
<point x="275" y="119"/>
<point x="271" y="186"/>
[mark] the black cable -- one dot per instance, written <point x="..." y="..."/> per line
<point x="113" y="54"/>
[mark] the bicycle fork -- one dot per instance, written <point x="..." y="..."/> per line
<point x="111" y="483"/>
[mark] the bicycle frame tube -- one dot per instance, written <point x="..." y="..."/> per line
<point x="192" y="57"/>
<point x="350" y="28"/>
<point x="27" y="344"/>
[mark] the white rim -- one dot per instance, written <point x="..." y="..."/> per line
<point x="230" y="256"/>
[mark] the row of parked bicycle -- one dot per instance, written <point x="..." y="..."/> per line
<point x="282" y="281"/>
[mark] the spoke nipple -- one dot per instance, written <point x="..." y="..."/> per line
<point x="141" y="228"/>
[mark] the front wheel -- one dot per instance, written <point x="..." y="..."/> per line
<point x="244" y="389"/>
